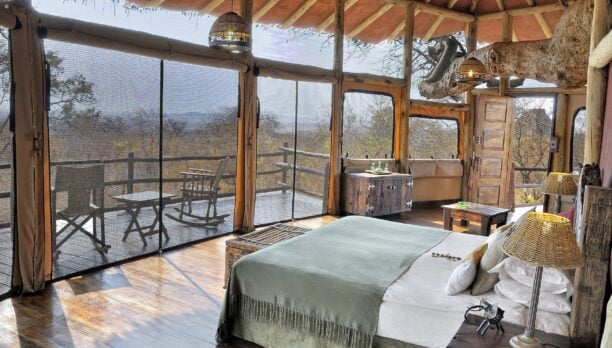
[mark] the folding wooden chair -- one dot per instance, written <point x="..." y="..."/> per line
<point x="201" y="185"/>
<point x="85" y="201"/>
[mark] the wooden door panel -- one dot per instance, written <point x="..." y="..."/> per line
<point x="490" y="168"/>
<point x="493" y="139"/>
<point x="488" y="195"/>
<point x="496" y="111"/>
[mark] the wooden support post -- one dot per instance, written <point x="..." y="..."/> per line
<point x="596" y="87"/>
<point x="588" y="299"/>
<point x="335" y="160"/>
<point x="405" y="105"/>
<point x="32" y="261"/>
<point x="506" y="37"/>
<point x="559" y="162"/>
<point x="469" y="116"/>
<point x="246" y="164"/>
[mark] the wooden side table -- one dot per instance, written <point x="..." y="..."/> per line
<point x="467" y="337"/>
<point x="467" y="211"/>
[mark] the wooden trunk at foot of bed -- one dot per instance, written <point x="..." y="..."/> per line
<point x="588" y="303"/>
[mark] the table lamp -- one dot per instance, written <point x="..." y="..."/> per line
<point x="542" y="240"/>
<point x="559" y="184"/>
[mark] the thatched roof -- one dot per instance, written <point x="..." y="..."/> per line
<point x="378" y="20"/>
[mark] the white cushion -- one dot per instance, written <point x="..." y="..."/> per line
<point x="462" y="277"/>
<point x="520" y="293"/>
<point x="553" y="280"/>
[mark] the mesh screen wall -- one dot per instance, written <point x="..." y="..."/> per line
<point x="6" y="167"/>
<point x="105" y="117"/>
<point x="436" y="138"/>
<point x="200" y="119"/>
<point x="313" y="146"/>
<point x="367" y="129"/>
<point x="275" y="146"/>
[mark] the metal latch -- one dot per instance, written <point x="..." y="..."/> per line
<point x="371" y="186"/>
<point x="36" y="148"/>
<point x="478" y="139"/>
<point x="409" y="204"/>
<point x="370" y="208"/>
<point x="410" y="183"/>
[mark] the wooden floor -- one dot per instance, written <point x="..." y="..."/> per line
<point x="171" y="300"/>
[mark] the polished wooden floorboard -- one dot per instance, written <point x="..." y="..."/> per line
<point x="170" y="300"/>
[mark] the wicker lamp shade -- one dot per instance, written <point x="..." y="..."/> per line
<point x="561" y="184"/>
<point x="471" y="71"/>
<point x="545" y="240"/>
<point x="230" y="32"/>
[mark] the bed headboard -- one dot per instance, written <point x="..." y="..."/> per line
<point x="591" y="282"/>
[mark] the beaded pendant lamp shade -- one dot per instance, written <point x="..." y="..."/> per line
<point x="230" y="32"/>
<point x="471" y="71"/>
<point x="561" y="184"/>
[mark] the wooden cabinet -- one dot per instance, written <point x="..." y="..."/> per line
<point x="375" y="195"/>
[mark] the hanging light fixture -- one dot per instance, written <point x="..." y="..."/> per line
<point x="471" y="71"/>
<point x="230" y="32"/>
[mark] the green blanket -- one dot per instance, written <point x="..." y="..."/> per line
<point x="330" y="282"/>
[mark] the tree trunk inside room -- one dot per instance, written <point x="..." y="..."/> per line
<point x="562" y="59"/>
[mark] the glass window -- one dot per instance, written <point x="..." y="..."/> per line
<point x="368" y="121"/>
<point x="578" y="131"/>
<point x="531" y="130"/>
<point x="433" y="138"/>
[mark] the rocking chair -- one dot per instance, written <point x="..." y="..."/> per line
<point x="201" y="185"/>
<point x="85" y="202"/>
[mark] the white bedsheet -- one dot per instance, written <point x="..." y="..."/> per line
<point x="416" y="309"/>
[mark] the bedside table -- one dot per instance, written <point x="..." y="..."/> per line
<point x="467" y="336"/>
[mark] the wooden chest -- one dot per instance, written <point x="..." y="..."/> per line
<point x="375" y="195"/>
<point x="251" y="242"/>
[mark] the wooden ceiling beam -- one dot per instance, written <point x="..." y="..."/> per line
<point x="298" y="13"/>
<point x="368" y="21"/>
<point x="432" y="29"/>
<point x="473" y="6"/>
<point x="208" y="8"/>
<point x="264" y="9"/>
<point x="329" y="20"/>
<point x="155" y="3"/>
<point x="522" y="11"/>
<point x="434" y="26"/>
<point x="541" y="21"/>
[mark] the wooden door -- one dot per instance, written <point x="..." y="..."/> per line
<point x="491" y="160"/>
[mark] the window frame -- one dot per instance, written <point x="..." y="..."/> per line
<point x="393" y="130"/>
<point x="573" y="128"/>
<point x="442" y="117"/>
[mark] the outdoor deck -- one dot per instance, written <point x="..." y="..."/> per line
<point x="79" y="254"/>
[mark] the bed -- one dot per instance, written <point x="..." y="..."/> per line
<point x="414" y="311"/>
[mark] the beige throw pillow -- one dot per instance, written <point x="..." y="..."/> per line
<point x="485" y="281"/>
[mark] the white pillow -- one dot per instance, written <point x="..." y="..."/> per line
<point x="462" y="277"/>
<point x="553" y="280"/>
<point x="520" y="293"/>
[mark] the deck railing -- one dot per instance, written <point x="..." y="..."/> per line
<point x="282" y="168"/>
<point x="528" y="185"/>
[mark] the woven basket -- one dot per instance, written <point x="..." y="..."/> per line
<point x="251" y="242"/>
